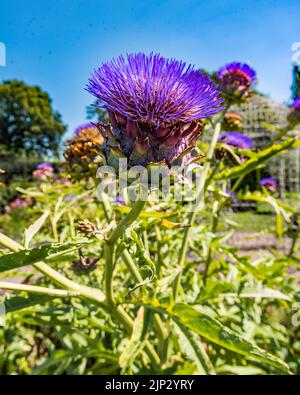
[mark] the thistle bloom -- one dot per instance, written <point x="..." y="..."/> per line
<point x="44" y="171"/>
<point x="269" y="183"/>
<point x="236" y="139"/>
<point x="235" y="80"/>
<point x="294" y="115"/>
<point x="155" y="106"/>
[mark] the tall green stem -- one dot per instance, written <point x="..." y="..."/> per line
<point x="126" y="221"/>
<point x="118" y="311"/>
<point x="182" y="253"/>
<point x="111" y="242"/>
<point x="37" y="290"/>
<point x="214" y="227"/>
<point x="192" y="215"/>
<point x="109" y="265"/>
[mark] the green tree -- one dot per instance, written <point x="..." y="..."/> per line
<point x="28" y="122"/>
<point x="296" y="82"/>
<point x="94" y="113"/>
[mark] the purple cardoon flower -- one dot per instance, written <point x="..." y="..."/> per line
<point x="236" y="139"/>
<point x="269" y="183"/>
<point x="235" y="79"/>
<point x="294" y="115"/>
<point x="155" y="106"/>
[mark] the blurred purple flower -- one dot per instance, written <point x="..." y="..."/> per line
<point x="45" y="165"/>
<point x="44" y="171"/>
<point x="18" y="203"/>
<point x="269" y="183"/>
<point x="118" y="199"/>
<point x="232" y="195"/>
<point x="236" y="139"/>
<point x="65" y="181"/>
<point x="69" y="197"/>
<point x="235" y="79"/>
<point x="296" y="103"/>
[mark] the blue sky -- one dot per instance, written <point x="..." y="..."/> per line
<point x="57" y="44"/>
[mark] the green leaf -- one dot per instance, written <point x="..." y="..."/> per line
<point x="191" y="345"/>
<point x="34" y="228"/>
<point x="280" y="209"/>
<point x="34" y="255"/>
<point x="142" y="255"/>
<point x="254" y="162"/>
<point x="211" y="329"/>
<point x="147" y="214"/>
<point x="259" y="293"/>
<point x="20" y="302"/>
<point x="136" y="342"/>
<point x="240" y="370"/>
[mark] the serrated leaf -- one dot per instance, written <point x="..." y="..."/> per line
<point x="136" y="342"/>
<point x="263" y="293"/>
<point x="172" y="225"/>
<point x="254" y="162"/>
<point x="34" y="228"/>
<point x="142" y="255"/>
<point x="211" y="329"/>
<point x="147" y="214"/>
<point x="34" y="255"/>
<point x="19" y="302"/>
<point x="240" y="370"/>
<point x="193" y="348"/>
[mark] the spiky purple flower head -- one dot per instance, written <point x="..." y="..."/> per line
<point x="236" y="139"/>
<point x="155" y="90"/>
<point x="155" y="106"/>
<point x="294" y="115"/>
<point x="235" y="79"/>
<point x="269" y="183"/>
